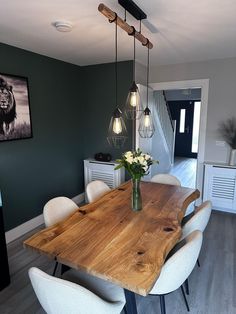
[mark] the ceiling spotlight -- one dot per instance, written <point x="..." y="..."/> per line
<point x="62" y="26"/>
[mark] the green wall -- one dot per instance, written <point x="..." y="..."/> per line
<point x="100" y="104"/>
<point x="69" y="122"/>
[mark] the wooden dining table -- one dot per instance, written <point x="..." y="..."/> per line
<point x="109" y="240"/>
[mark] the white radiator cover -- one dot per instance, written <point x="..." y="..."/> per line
<point x="104" y="171"/>
<point x="220" y="187"/>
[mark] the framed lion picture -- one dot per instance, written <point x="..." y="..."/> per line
<point x="15" y="118"/>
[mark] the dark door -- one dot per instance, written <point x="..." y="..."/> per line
<point x="182" y="112"/>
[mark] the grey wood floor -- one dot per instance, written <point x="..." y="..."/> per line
<point x="185" y="170"/>
<point x="212" y="287"/>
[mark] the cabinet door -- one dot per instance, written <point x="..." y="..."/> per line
<point x="103" y="171"/>
<point x="220" y="187"/>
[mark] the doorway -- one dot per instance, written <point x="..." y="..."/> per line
<point x="203" y="84"/>
<point x="184" y="107"/>
<point x="186" y="113"/>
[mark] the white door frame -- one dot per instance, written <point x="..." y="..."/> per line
<point x="204" y="85"/>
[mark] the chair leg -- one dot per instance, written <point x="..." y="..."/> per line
<point x="55" y="268"/>
<point x="186" y="286"/>
<point x="185" y="299"/>
<point x="162" y="303"/>
<point x="198" y="263"/>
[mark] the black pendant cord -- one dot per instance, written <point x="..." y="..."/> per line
<point x="133" y="122"/>
<point x="147" y="76"/>
<point x="134" y="61"/>
<point x="116" y="76"/>
<point x="133" y="34"/>
<point x="116" y="49"/>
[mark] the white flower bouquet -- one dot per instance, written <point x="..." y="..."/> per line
<point x="136" y="163"/>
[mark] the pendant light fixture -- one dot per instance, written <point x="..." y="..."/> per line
<point x="133" y="106"/>
<point x="146" y="126"/>
<point x="117" y="132"/>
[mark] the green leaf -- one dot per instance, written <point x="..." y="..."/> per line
<point x="118" y="167"/>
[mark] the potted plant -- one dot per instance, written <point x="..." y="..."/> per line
<point x="227" y="130"/>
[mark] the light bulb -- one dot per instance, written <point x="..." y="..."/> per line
<point x="117" y="127"/>
<point x="147" y="121"/>
<point x="133" y="99"/>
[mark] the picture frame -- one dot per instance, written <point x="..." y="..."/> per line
<point x="15" y="115"/>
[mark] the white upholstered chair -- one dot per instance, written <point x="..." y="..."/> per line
<point x="177" y="268"/>
<point x="57" y="209"/>
<point x="199" y="220"/>
<point x="92" y="295"/>
<point x="96" y="189"/>
<point x="166" y="178"/>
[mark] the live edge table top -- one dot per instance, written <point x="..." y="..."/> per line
<point x="109" y="240"/>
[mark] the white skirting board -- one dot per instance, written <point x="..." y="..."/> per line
<point x="29" y="225"/>
<point x="20" y="230"/>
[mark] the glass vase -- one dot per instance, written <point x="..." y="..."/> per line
<point x="136" y="195"/>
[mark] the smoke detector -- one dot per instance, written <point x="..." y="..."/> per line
<point x="62" y="26"/>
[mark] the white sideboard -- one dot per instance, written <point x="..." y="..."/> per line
<point x="220" y="186"/>
<point x="104" y="171"/>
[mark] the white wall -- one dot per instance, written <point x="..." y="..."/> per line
<point x="222" y="90"/>
<point x="156" y="146"/>
<point x="140" y="73"/>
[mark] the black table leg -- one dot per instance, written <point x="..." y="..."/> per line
<point x="64" y="268"/>
<point x="130" y="302"/>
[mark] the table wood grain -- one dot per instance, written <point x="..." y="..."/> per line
<point x="109" y="240"/>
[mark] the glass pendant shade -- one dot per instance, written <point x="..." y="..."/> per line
<point x="146" y="126"/>
<point x="117" y="132"/>
<point x="133" y="106"/>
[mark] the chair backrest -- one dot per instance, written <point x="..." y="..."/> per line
<point x="58" y="296"/>
<point x="199" y="220"/>
<point x="165" y="178"/>
<point x="179" y="266"/>
<point x="96" y="189"/>
<point x="57" y="209"/>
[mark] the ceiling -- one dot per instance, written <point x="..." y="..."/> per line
<point x="185" y="31"/>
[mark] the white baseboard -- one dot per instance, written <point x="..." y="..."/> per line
<point x="20" y="230"/>
<point x="29" y="225"/>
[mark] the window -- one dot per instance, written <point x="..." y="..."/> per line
<point x="182" y="121"/>
<point x="196" y="123"/>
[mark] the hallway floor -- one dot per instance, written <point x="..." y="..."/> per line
<point x="185" y="170"/>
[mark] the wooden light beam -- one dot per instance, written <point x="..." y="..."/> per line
<point x="122" y="24"/>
